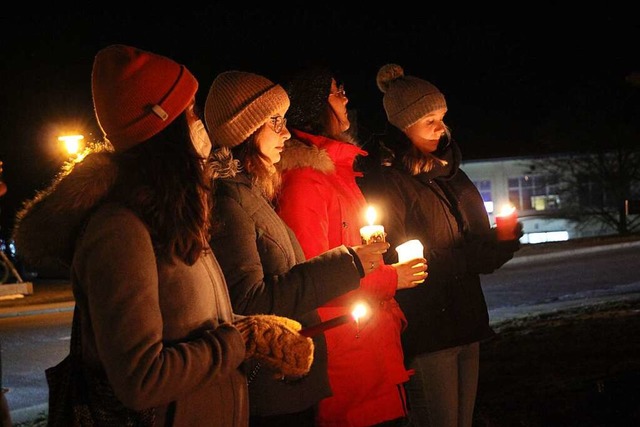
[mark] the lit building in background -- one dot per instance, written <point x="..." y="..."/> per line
<point x="536" y="198"/>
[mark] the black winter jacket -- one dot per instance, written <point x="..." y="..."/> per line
<point x="444" y="210"/>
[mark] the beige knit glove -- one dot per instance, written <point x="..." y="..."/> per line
<point x="275" y="342"/>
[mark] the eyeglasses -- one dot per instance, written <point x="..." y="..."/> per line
<point x="277" y="123"/>
<point x="340" y="92"/>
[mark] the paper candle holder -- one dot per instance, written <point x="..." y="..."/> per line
<point x="410" y="249"/>
<point x="506" y="222"/>
<point x="372" y="234"/>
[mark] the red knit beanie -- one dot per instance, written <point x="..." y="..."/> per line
<point x="137" y="94"/>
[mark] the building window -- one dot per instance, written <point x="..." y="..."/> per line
<point x="531" y="192"/>
<point x="484" y="187"/>
<point x="592" y="194"/>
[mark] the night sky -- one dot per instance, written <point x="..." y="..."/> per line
<point x="540" y="81"/>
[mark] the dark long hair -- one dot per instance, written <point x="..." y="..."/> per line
<point x="163" y="181"/>
<point x="308" y="89"/>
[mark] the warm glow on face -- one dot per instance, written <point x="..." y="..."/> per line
<point x="371" y="215"/>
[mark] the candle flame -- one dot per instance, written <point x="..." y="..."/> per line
<point x="359" y="310"/>
<point x="507" y="209"/>
<point x="371" y="215"/>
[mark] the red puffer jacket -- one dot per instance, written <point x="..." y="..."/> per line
<point x="321" y="201"/>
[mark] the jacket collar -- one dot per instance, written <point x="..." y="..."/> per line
<point x="317" y="152"/>
<point x="47" y="225"/>
<point x="451" y="153"/>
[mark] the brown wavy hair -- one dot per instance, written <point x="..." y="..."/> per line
<point x="263" y="174"/>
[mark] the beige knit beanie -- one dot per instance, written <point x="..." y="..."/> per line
<point x="239" y="103"/>
<point x="406" y="98"/>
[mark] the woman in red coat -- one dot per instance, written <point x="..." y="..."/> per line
<point x="320" y="200"/>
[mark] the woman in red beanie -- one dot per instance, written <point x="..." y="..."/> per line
<point x="322" y="203"/>
<point x="159" y="342"/>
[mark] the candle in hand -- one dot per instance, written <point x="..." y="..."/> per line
<point x="506" y="222"/>
<point x="371" y="233"/>
<point x="328" y="324"/>
<point x="358" y="311"/>
<point x="409" y="250"/>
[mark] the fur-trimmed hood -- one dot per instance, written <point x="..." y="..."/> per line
<point x="317" y="152"/>
<point x="47" y="226"/>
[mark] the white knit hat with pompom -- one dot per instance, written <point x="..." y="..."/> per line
<point x="406" y="98"/>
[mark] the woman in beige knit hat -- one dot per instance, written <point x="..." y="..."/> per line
<point x="261" y="258"/>
<point x="426" y="196"/>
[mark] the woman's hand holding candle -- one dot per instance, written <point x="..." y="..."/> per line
<point x="370" y="255"/>
<point x="411" y="266"/>
<point x="411" y="273"/>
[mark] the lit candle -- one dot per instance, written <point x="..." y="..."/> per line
<point x="373" y="232"/>
<point x="506" y="222"/>
<point x="327" y="324"/>
<point x="409" y="250"/>
<point x="358" y="311"/>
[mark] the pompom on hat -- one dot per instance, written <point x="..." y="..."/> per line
<point x="406" y="98"/>
<point x="136" y="94"/>
<point x="239" y="103"/>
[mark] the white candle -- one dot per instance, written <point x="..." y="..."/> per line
<point x="373" y="232"/>
<point x="411" y="249"/>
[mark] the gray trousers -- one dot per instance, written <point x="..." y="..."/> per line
<point x="442" y="392"/>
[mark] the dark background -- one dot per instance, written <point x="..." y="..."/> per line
<point x="517" y="83"/>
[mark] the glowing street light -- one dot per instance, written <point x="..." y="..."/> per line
<point x="71" y="143"/>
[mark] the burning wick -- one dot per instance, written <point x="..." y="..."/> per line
<point x="360" y="310"/>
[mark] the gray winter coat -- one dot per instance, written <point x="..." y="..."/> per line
<point x="267" y="273"/>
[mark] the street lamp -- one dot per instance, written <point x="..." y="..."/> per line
<point x="72" y="143"/>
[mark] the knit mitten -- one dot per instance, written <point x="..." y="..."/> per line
<point x="275" y="342"/>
